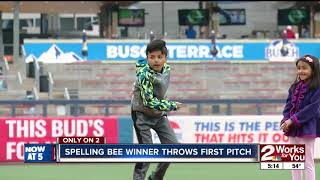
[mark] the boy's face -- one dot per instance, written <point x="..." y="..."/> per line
<point x="156" y="60"/>
<point x="304" y="70"/>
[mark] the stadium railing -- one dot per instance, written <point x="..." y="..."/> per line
<point x="13" y="104"/>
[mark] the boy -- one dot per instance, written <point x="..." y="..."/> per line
<point x="149" y="105"/>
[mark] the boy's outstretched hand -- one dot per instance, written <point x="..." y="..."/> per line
<point x="180" y="105"/>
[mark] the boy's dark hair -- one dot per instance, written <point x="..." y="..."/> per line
<point x="315" y="75"/>
<point x="157" y="45"/>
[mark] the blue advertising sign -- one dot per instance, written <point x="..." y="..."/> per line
<point x="68" y="51"/>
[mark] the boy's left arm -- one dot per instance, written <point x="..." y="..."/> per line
<point x="309" y="112"/>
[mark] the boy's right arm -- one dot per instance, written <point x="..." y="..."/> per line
<point x="145" y="81"/>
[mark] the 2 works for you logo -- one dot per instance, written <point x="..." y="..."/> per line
<point x="55" y="55"/>
<point x="282" y="152"/>
<point x="277" y="51"/>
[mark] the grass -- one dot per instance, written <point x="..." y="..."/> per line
<point x="123" y="171"/>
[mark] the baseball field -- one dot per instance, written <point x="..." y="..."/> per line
<point x="123" y="171"/>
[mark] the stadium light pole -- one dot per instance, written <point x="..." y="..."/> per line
<point x="200" y="27"/>
<point x="84" y="45"/>
<point x="152" y="36"/>
<point x="284" y="49"/>
<point x="214" y="50"/>
<point x="1" y="39"/>
<point x="162" y="17"/>
<point x="16" y="30"/>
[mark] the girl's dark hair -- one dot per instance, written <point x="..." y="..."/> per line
<point x="157" y="45"/>
<point x="315" y="74"/>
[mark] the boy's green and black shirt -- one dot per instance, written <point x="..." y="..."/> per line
<point x="146" y="78"/>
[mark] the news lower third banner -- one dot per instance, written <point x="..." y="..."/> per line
<point x="148" y="153"/>
<point x="94" y="149"/>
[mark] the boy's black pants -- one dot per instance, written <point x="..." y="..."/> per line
<point x="142" y="125"/>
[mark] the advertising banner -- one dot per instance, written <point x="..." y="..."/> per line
<point x="69" y="51"/>
<point x="15" y="132"/>
<point x="229" y="129"/>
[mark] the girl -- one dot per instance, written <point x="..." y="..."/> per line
<point x="301" y="115"/>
